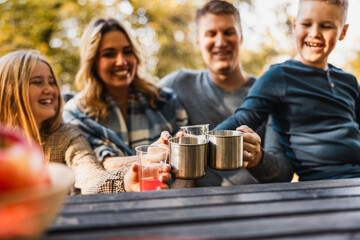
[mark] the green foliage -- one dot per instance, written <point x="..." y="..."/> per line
<point x="354" y="66"/>
<point x="169" y="18"/>
<point x="53" y="27"/>
<point x="254" y="62"/>
<point x="164" y="27"/>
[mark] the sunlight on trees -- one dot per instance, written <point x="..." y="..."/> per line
<point x="165" y="29"/>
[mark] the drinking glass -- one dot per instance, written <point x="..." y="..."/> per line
<point x="152" y="159"/>
<point x="198" y="131"/>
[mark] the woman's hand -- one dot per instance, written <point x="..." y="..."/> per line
<point x="252" y="154"/>
<point x="115" y="163"/>
<point x="131" y="178"/>
<point x="163" y="140"/>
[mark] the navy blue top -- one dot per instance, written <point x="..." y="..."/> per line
<point x="314" y="111"/>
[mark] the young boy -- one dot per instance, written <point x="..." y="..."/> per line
<point x="314" y="105"/>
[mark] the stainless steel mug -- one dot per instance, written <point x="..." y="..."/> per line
<point x="188" y="157"/>
<point x="225" y="149"/>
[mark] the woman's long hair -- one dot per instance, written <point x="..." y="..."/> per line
<point x="87" y="80"/>
<point x="15" y="110"/>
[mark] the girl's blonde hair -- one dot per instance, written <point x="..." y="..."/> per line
<point x="87" y="79"/>
<point x="15" y="72"/>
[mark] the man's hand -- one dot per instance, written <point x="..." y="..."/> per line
<point x="252" y="154"/>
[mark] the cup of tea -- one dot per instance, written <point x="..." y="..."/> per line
<point x="152" y="159"/>
<point x="188" y="157"/>
<point x="225" y="149"/>
<point x="195" y="130"/>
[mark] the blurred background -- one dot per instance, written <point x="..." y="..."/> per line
<point x="165" y="28"/>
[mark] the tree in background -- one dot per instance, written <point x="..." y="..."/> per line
<point x="165" y="28"/>
<point x="167" y="31"/>
<point x="355" y="66"/>
<point x="52" y="27"/>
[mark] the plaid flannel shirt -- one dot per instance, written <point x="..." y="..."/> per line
<point x="68" y="145"/>
<point x="114" y="137"/>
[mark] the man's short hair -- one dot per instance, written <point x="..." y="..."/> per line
<point x="218" y="7"/>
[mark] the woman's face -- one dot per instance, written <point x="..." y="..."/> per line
<point x="116" y="63"/>
<point x="43" y="93"/>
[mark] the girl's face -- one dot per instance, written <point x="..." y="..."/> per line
<point x="43" y="93"/>
<point x="116" y="64"/>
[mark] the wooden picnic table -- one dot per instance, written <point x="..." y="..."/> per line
<point x="326" y="209"/>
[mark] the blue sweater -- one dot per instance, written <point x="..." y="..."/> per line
<point x="316" y="114"/>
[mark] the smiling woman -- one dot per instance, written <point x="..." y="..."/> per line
<point x="119" y="106"/>
<point x="116" y="64"/>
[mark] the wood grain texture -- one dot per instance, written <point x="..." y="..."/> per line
<point x="305" y="210"/>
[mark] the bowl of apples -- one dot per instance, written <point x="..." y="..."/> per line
<point x="31" y="191"/>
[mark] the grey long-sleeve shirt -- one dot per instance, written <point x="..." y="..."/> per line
<point x="205" y="102"/>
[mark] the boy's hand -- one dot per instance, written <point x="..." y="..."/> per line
<point x="252" y="153"/>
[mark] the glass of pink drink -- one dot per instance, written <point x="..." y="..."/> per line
<point x="152" y="160"/>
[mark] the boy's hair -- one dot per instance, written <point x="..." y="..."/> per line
<point x="218" y="7"/>
<point x="341" y="3"/>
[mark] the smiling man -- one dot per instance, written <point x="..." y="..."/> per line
<point x="213" y="94"/>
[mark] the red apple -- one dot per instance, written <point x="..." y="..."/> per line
<point x="22" y="163"/>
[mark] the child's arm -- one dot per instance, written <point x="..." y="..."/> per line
<point x="263" y="98"/>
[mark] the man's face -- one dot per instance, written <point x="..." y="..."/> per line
<point x="219" y="38"/>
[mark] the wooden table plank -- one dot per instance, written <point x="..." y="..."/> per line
<point x="224" y="199"/>
<point x="305" y="210"/>
<point x="252" y="228"/>
<point x="114" y="236"/>
<point x="203" y="213"/>
<point x="208" y="191"/>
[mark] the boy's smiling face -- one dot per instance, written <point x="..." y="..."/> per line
<point x="317" y="28"/>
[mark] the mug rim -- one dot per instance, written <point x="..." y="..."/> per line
<point x="194" y="126"/>
<point x="149" y="145"/>
<point x="238" y="133"/>
<point x="188" y="144"/>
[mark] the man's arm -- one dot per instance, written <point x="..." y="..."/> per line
<point x="274" y="166"/>
<point x="263" y="165"/>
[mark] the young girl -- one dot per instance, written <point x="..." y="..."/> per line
<point x="30" y="97"/>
